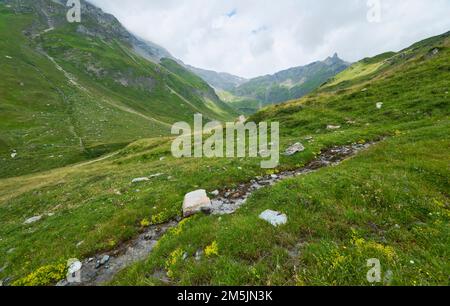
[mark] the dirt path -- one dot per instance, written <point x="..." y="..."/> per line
<point x="104" y="266"/>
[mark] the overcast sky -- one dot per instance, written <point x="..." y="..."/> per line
<point x="256" y="37"/>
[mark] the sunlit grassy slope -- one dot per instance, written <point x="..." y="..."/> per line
<point x="390" y="202"/>
<point x="66" y="96"/>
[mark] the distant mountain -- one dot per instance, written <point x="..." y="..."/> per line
<point x="219" y="80"/>
<point x="292" y="83"/>
<point x="72" y="91"/>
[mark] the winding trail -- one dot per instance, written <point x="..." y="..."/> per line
<point x="94" y="271"/>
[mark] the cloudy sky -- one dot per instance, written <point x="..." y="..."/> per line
<point x="256" y="37"/>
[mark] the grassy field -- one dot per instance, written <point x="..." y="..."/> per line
<point x="390" y="202"/>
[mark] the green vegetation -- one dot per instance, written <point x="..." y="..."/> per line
<point x="389" y="202"/>
<point x="287" y="85"/>
<point x="245" y="106"/>
<point x="67" y="96"/>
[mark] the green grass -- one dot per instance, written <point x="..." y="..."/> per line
<point x="390" y="202"/>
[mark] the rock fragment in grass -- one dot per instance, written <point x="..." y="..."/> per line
<point x="379" y="105"/>
<point x="195" y="202"/>
<point x="140" y="179"/>
<point x="333" y="127"/>
<point x="215" y="193"/>
<point x="273" y="217"/>
<point x="294" y="149"/>
<point x="32" y="219"/>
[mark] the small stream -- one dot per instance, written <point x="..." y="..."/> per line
<point x="103" y="267"/>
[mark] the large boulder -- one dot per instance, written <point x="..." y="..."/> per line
<point x="195" y="202"/>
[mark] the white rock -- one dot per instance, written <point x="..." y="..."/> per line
<point x="379" y="105"/>
<point x="155" y="175"/>
<point x="13" y="155"/>
<point x="273" y="217"/>
<point x="140" y="179"/>
<point x="333" y="127"/>
<point x="33" y="219"/>
<point x="195" y="202"/>
<point x="295" y="148"/>
<point x="75" y="266"/>
<point x="8" y="57"/>
<point x="215" y="193"/>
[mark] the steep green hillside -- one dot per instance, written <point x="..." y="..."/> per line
<point x="389" y="202"/>
<point x="70" y="92"/>
<point x="290" y="84"/>
<point x="243" y="105"/>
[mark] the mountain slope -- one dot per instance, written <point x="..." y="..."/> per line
<point x="75" y="91"/>
<point x="219" y="80"/>
<point x="292" y="83"/>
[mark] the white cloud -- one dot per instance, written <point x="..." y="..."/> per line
<point x="256" y="37"/>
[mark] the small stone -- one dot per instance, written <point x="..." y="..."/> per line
<point x="162" y="158"/>
<point x="8" y="57"/>
<point x="104" y="260"/>
<point x="273" y="217"/>
<point x="274" y="176"/>
<point x="155" y="175"/>
<point x="379" y="105"/>
<point x="185" y="256"/>
<point x="295" y="148"/>
<point x="148" y="237"/>
<point x="75" y="266"/>
<point x="13" y="155"/>
<point x="412" y="262"/>
<point x="215" y="193"/>
<point x="333" y="127"/>
<point x="140" y="179"/>
<point x="91" y="259"/>
<point x="32" y="219"/>
<point x="198" y="255"/>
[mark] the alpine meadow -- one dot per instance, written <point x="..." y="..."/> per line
<point x="93" y="191"/>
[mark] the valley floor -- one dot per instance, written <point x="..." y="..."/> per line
<point x="389" y="203"/>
